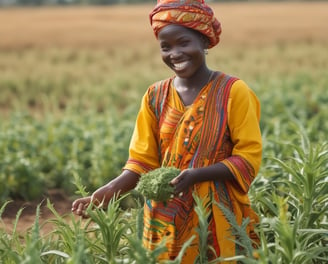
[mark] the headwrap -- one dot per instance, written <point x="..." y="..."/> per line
<point x="194" y="14"/>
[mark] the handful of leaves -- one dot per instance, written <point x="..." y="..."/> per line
<point x="155" y="184"/>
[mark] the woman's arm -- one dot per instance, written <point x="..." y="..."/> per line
<point x="190" y="177"/>
<point x="143" y="157"/>
<point x="101" y="197"/>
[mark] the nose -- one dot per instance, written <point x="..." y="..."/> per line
<point x="175" y="53"/>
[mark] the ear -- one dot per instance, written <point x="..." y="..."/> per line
<point x="205" y="41"/>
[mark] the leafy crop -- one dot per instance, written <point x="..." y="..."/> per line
<point x="155" y="184"/>
<point x="38" y="155"/>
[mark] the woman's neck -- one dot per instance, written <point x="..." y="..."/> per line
<point x="195" y="82"/>
<point x="188" y="89"/>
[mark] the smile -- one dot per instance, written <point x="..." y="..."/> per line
<point x="180" y="66"/>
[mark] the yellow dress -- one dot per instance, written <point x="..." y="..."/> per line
<point x="222" y="125"/>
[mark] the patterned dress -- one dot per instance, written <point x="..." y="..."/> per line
<point x="222" y="125"/>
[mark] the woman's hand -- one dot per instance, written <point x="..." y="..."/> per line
<point x="183" y="181"/>
<point x="80" y="205"/>
<point x="100" y="198"/>
<point x="189" y="177"/>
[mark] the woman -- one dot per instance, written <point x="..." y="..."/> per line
<point x="203" y="122"/>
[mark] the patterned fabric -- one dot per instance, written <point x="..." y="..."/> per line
<point x="204" y="133"/>
<point x="194" y="14"/>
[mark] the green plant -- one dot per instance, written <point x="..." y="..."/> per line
<point x="292" y="203"/>
<point x="155" y="184"/>
<point x="203" y="213"/>
<point x="13" y="251"/>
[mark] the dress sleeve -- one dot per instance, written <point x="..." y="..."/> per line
<point x="143" y="150"/>
<point x="243" y="121"/>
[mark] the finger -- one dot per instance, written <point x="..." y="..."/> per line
<point x="74" y="206"/>
<point x="80" y="209"/>
<point x="84" y="200"/>
<point x="175" y="181"/>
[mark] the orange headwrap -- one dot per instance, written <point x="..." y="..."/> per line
<point x="194" y="14"/>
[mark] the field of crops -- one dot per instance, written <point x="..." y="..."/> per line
<point x="71" y="80"/>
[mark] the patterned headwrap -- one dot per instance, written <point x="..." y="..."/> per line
<point x="194" y="14"/>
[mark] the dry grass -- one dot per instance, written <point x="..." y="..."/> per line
<point x="127" y="26"/>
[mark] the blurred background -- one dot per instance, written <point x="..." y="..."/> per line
<point x="72" y="74"/>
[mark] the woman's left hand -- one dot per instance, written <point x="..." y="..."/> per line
<point x="183" y="181"/>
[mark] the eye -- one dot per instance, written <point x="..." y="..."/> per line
<point x="184" y="43"/>
<point x="165" y="48"/>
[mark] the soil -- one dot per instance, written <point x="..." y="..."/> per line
<point x="61" y="202"/>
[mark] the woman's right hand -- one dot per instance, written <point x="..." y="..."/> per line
<point x="80" y="205"/>
<point x="101" y="197"/>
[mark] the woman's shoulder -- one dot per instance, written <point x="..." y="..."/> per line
<point x="240" y="85"/>
<point x="158" y="89"/>
<point x="240" y="88"/>
<point x="161" y="84"/>
<point x="157" y="94"/>
<point x="242" y="94"/>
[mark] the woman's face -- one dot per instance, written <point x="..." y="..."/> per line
<point x="182" y="49"/>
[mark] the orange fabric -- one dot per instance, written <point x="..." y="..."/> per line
<point x="173" y="140"/>
<point x="188" y="13"/>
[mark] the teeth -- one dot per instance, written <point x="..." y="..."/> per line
<point x="180" y="66"/>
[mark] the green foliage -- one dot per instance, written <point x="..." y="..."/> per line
<point x="203" y="211"/>
<point x="113" y="227"/>
<point x="68" y="122"/>
<point x="292" y="203"/>
<point x="239" y="231"/>
<point x="107" y="237"/>
<point x="155" y="184"/>
<point x="13" y="251"/>
<point x="39" y="155"/>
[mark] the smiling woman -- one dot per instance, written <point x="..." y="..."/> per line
<point x="278" y="67"/>
<point x="204" y="123"/>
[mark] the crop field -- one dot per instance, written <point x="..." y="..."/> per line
<point x="71" y="80"/>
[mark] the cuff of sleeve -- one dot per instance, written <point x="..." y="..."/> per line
<point x="137" y="166"/>
<point x="242" y="170"/>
